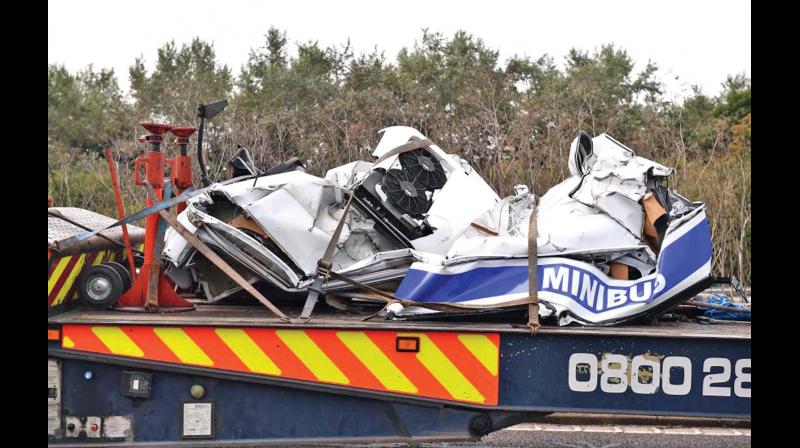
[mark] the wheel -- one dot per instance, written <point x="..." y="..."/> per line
<point x="123" y="272"/>
<point x="100" y="286"/>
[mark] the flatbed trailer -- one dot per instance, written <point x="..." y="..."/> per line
<point x="237" y="376"/>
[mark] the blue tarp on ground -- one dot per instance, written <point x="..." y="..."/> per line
<point x="723" y="300"/>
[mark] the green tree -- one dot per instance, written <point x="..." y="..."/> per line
<point x="85" y="109"/>
<point x="182" y="79"/>
<point x="735" y="97"/>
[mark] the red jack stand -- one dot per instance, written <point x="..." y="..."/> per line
<point x="144" y="294"/>
<point x="182" y="177"/>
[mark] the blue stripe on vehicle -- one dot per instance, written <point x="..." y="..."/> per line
<point x="677" y="262"/>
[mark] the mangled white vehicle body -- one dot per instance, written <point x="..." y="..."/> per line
<point x="613" y="242"/>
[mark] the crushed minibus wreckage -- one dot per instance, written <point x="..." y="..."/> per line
<point x="613" y="243"/>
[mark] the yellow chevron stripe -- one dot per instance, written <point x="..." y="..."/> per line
<point x="60" y="266"/>
<point x="444" y="371"/>
<point x="310" y="354"/>
<point x="67" y="342"/>
<point x="483" y="349"/>
<point x="73" y="274"/>
<point x="183" y="346"/>
<point x="117" y="341"/>
<point x="247" y="351"/>
<point x="98" y="258"/>
<point x="376" y="361"/>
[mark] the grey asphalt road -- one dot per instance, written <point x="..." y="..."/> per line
<point x="575" y="430"/>
<point x="621" y="437"/>
<point x="601" y="436"/>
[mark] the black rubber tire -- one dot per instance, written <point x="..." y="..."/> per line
<point x="106" y="300"/>
<point x="123" y="272"/>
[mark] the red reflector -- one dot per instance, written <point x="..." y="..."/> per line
<point x="407" y="344"/>
<point x="53" y="334"/>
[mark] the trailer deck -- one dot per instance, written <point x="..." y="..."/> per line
<point x="258" y="316"/>
<point x="339" y="378"/>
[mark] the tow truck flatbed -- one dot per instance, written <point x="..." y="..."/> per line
<point x="339" y="378"/>
<point x="258" y="316"/>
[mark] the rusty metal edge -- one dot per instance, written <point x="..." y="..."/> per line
<point x="88" y="317"/>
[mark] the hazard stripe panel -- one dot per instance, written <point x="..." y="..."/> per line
<point x="451" y="366"/>
<point x="64" y="271"/>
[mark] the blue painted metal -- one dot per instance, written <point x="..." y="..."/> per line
<point x="534" y="380"/>
<point x="245" y="410"/>
<point x="534" y="374"/>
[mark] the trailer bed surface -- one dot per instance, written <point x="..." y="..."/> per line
<point x="257" y="316"/>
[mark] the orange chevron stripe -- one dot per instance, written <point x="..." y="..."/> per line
<point x="81" y="337"/>
<point x="465" y="362"/>
<point x="152" y="346"/>
<point x="215" y="348"/>
<point x="358" y="359"/>
<point x="345" y="359"/>
<point x="287" y="361"/>
<point x="421" y="377"/>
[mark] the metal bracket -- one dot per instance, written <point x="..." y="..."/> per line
<point x="735" y="284"/>
<point x="314" y="291"/>
<point x="738" y="288"/>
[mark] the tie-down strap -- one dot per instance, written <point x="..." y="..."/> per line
<point x="324" y="264"/>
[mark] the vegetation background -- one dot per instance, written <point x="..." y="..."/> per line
<point x="512" y="120"/>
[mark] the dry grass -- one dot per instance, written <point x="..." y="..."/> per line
<point x="720" y="179"/>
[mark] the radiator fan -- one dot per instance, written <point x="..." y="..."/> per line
<point x="404" y="193"/>
<point x="423" y="168"/>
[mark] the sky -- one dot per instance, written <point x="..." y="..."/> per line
<point x="696" y="42"/>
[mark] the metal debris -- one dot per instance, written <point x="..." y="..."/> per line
<point x="425" y="225"/>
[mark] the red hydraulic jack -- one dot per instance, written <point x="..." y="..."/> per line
<point x="152" y="290"/>
<point x="182" y="177"/>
